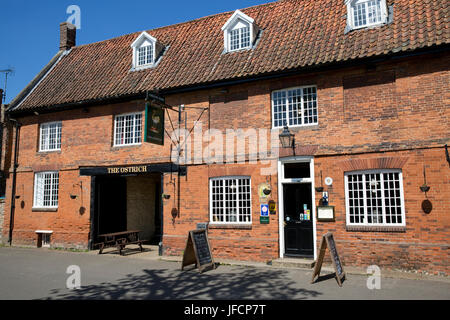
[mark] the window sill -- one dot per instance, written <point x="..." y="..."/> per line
<point x="377" y="228"/>
<point x="230" y="226"/>
<point x="49" y="151"/>
<point x="35" y="209"/>
<point x="126" y="146"/>
<point x="297" y="128"/>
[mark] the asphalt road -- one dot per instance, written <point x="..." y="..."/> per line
<point x="27" y="273"/>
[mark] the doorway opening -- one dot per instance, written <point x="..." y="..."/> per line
<point x="123" y="203"/>
<point x="297" y="207"/>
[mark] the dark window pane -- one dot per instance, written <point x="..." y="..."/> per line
<point x="297" y="170"/>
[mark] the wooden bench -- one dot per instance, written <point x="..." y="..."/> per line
<point x="120" y="240"/>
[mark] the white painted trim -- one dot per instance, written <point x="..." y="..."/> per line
<point x="44" y="231"/>
<point x="40" y="136"/>
<point x="402" y="198"/>
<point x="238" y="14"/>
<point x="134" y="122"/>
<point x="350" y="14"/>
<point x="303" y="125"/>
<point x="137" y="44"/>
<point x="226" y="28"/>
<point x="35" y="190"/>
<point x="211" y="179"/>
<point x="282" y="181"/>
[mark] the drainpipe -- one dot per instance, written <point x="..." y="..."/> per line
<point x="13" y="191"/>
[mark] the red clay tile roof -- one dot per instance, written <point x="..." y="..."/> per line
<point x="296" y="34"/>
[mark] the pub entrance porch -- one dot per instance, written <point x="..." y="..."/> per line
<point x="127" y="198"/>
<point x="124" y="203"/>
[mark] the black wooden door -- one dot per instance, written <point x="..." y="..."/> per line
<point x="298" y="224"/>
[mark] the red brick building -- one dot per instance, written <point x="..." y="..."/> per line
<point x="362" y="85"/>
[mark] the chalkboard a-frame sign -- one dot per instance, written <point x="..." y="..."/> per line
<point x="198" y="251"/>
<point x="328" y="241"/>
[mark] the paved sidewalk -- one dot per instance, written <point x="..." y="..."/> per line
<point x="29" y="273"/>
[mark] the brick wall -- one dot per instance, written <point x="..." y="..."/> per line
<point x="423" y="245"/>
<point x="399" y="110"/>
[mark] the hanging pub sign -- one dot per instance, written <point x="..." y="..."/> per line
<point x="154" y="124"/>
<point x="328" y="241"/>
<point x="198" y="251"/>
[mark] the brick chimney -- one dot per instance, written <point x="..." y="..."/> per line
<point x="67" y="35"/>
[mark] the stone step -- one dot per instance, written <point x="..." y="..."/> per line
<point x="293" y="263"/>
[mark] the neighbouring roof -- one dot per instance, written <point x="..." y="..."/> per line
<point x="295" y="34"/>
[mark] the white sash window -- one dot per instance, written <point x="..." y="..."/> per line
<point x="128" y="129"/>
<point x="375" y="198"/>
<point x="230" y="200"/>
<point x="46" y="185"/>
<point x="50" y="136"/>
<point x="294" y="107"/>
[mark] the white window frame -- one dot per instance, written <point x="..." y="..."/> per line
<point x="39" y="190"/>
<point x="238" y="217"/>
<point x="149" y="52"/>
<point x="351" y="4"/>
<point x="142" y="41"/>
<point x="116" y="127"/>
<point x="383" y="207"/>
<point x="238" y="21"/>
<point x="274" y="126"/>
<point x="44" y="130"/>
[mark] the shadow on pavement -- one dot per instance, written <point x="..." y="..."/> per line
<point x="247" y="283"/>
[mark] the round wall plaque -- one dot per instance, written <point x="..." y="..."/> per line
<point x="328" y="181"/>
<point x="427" y="206"/>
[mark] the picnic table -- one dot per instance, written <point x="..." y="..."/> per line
<point x="120" y="240"/>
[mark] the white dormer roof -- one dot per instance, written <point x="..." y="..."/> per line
<point x="143" y="37"/>
<point x="237" y="15"/>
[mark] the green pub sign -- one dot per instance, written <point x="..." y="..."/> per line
<point x="154" y="124"/>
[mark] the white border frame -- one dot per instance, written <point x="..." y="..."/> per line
<point x="211" y="222"/>
<point x="287" y="108"/>
<point x="402" y="199"/>
<point x="40" y="136"/>
<point x="137" y="44"/>
<point x="35" y="190"/>
<point x="115" y="129"/>
<point x="282" y="181"/>
<point x="350" y="14"/>
<point x="238" y="15"/>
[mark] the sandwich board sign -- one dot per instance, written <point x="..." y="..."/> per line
<point x="328" y="241"/>
<point x="198" y="251"/>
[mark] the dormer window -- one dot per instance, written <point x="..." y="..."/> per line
<point x="146" y="51"/>
<point x="239" y="32"/>
<point x="145" y="55"/>
<point x="366" y="13"/>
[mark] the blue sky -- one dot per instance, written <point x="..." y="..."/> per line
<point x="29" y="30"/>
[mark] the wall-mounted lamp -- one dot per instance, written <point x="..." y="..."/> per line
<point x="287" y="138"/>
